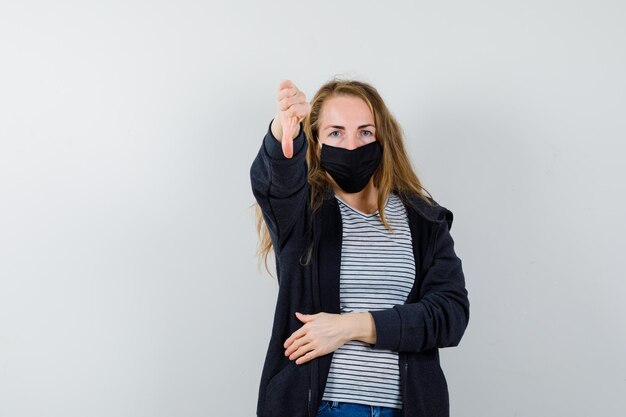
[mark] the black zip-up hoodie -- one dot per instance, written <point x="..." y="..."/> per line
<point x="435" y="314"/>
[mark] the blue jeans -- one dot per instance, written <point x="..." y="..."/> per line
<point x="341" y="409"/>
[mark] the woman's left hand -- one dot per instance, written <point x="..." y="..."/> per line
<point x="322" y="333"/>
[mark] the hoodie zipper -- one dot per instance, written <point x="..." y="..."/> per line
<point x="404" y="365"/>
<point x="313" y="369"/>
<point x="406" y="369"/>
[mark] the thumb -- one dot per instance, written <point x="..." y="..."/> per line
<point x="287" y="140"/>
<point x="303" y="317"/>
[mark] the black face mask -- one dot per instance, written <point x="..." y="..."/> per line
<point x="351" y="169"/>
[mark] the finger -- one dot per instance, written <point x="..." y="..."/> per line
<point x="298" y="111"/>
<point x="302" y="348"/>
<point x="285" y="84"/>
<point x="288" y="93"/>
<point x="287" y="140"/>
<point x="294" y="347"/>
<point x="290" y="99"/>
<point x="306" y="357"/>
<point x="295" y="335"/>
<point x="286" y="88"/>
<point x="305" y="318"/>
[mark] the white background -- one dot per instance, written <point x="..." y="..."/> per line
<point x="128" y="281"/>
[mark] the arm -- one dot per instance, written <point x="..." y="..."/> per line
<point x="360" y="326"/>
<point x="279" y="184"/>
<point x="277" y="130"/>
<point x="441" y="316"/>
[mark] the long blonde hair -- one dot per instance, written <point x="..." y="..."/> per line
<point x="395" y="173"/>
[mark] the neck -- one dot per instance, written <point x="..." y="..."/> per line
<point x="365" y="201"/>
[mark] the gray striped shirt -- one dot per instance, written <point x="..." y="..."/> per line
<point x="377" y="272"/>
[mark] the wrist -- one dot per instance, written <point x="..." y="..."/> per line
<point x="361" y="327"/>
<point x="276" y="129"/>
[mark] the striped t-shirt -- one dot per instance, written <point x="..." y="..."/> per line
<point x="377" y="272"/>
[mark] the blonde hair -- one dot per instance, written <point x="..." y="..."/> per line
<point x="395" y="173"/>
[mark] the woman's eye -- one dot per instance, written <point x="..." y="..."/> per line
<point x="338" y="133"/>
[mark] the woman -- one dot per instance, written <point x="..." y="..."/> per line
<point x="369" y="284"/>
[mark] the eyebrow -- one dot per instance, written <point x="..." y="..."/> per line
<point x="342" y="127"/>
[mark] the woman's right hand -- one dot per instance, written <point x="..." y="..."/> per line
<point x="292" y="109"/>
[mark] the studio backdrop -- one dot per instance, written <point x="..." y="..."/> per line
<point x="129" y="285"/>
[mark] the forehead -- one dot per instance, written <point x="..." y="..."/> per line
<point x="345" y="110"/>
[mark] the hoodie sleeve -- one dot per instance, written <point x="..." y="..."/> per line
<point x="440" y="317"/>
<point x="279" y="184"/>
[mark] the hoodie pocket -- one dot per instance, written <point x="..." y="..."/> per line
<point x="287" y="392"/>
